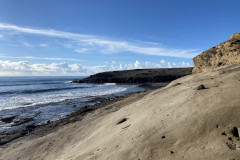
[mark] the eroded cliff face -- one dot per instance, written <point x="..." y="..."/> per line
<point x="223" y="54"/>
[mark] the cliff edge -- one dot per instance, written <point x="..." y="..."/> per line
<point x="223" y="54"/>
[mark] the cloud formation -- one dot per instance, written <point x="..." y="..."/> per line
<point x="40" y="58"/>
<point x="84" y="43"/>
<point x="43" y="45"/>
<point x="24" y="68"/>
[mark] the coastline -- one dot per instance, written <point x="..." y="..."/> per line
<point x="77" y="115"/>
<point x="20" y="109"/>
<point x="179" y="121"/>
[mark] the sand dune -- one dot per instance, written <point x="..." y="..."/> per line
<point x="171" y="123"/>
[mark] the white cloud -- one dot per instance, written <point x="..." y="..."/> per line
<point x="85" y="43"/>
<point x="81" y="50"/>
<point x="24" y="68"/>
<point x="138" y="65"/>
<point x="40" y="58"/>
<point x="163" y="62"/>
<point x="26" y="44"/>
<point x="43" y="45"/>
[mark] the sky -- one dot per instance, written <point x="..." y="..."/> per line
<point x="84" y="37"/>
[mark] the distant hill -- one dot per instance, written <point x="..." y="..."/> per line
<point x="138" y="76"/>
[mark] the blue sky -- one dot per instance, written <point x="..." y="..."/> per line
<point x="73" y="37"/>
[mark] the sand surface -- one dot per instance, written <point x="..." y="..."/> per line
<point x="172" y="123"/>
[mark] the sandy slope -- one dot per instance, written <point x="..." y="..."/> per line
<point x="191" y="120"/>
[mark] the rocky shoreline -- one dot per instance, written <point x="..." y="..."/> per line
<point x="8" y="136"/>
<point x="31" y="129"/>
<point x="27" y="126"/>
<point x="138" y="76"/>
<point x="194" y="114"/>
<point x="193" y="117"/>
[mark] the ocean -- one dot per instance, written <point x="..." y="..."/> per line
<point x="50" y="98"/>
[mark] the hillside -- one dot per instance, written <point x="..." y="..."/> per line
<point x="138" y="76"/>
<point x="180" y="121"/>
<point x="223" y="54"/>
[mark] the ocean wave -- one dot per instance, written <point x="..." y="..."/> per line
<point x="68" y="82"/>
<point x="23" y="102"/>
<point x="109" y="84"/>
<point x="26" y="84"/>
<point x="31" y="91"/>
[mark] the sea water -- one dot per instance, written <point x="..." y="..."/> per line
<point x="50" y="98"/>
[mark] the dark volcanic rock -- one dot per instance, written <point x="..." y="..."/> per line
<point x="138" y="76"/>
<point x="8" y="119"/>
<point x="31" y="126"/>
<point x="235" y="132"/>
<point x="22" y="121"/>
<point x="201" y="87"/>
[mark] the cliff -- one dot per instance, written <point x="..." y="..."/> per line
<point x="138" y="76"/>
<point x="223" y="54"/>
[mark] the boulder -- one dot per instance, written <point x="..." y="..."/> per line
<point x="31" y="126"/>
<point x="8" y="119"/>
<point x="21" y="121"/>
<point x="225" y="53"/>
<point x="201" y="87"/>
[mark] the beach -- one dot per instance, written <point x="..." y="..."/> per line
<point x="119" y="80"/>
<point x="38" y="100"/>
<point x="179" y="121"/>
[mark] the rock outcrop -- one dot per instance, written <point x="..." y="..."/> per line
<point x="223" y="54"/>
<point x="138" y="76"/>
